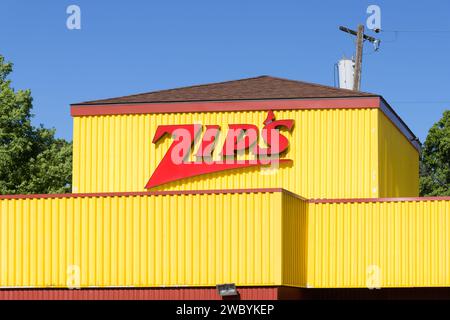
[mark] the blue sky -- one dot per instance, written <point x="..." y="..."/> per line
<point x="127" y="47"/>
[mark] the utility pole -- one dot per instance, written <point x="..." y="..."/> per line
<point x="360" y="37"/>
<point x="358" y="58"/>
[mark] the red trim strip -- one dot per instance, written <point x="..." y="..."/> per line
<point x="218" y="191"/>
<point x="257" y="105"/>
<point x="357" y="200"/>
<point x="135" y="194"/>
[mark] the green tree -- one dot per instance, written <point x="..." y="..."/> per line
<point x="32" y="160"/>
<point x="435" y="162"/>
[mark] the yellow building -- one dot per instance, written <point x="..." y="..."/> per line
<point x="277" y="186"/>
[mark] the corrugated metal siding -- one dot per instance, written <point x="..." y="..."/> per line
<point x="398" y="162"/>
<point x="142" y="241"/>
<point x="295" y="237"/>
<point x="408" y="242"/>
<point x="335" y="153"/>
<point x="246" y="293"/>
<point x="251" y="239"/>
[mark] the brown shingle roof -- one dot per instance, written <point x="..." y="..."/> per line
<point x="259" y="88"/>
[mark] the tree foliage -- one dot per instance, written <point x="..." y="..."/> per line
<point x="435" y="162"/>
<point x="32" y="160"/>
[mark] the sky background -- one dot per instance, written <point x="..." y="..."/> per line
<point x="127" y="47"/>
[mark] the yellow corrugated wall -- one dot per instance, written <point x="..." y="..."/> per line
<point x="335" y="153"/>
<point x="142" y="241"/>
<point x="398" y="162"/>
<point x="263" y="238"/>
<point x="406" y="243"/>
<point x="295" y="240"/>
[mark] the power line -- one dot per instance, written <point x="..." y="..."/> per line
<point x="417" y="31"/>
<point x="421" y="101"/>
<point x="398" y="32"/>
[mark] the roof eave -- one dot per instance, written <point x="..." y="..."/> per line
<point x="100" y="103"/>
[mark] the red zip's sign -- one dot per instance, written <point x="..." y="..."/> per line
<point x="240" y="139"/>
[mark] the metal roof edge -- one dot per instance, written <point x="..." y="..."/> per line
<point x="220" y="101"/>
<point x="226" y="106"/>
<point x="138" y="193"/>
<point x="399" y="123"/>
<point x="368" y="200"/>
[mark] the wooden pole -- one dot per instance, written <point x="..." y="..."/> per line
<point x="358" y="62"/>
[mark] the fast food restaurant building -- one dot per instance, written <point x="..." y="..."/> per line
<point x="334" y="210"/>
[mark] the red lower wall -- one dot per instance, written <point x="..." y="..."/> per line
<point x="245" y="293"/>
<point x="255" y="293"/>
